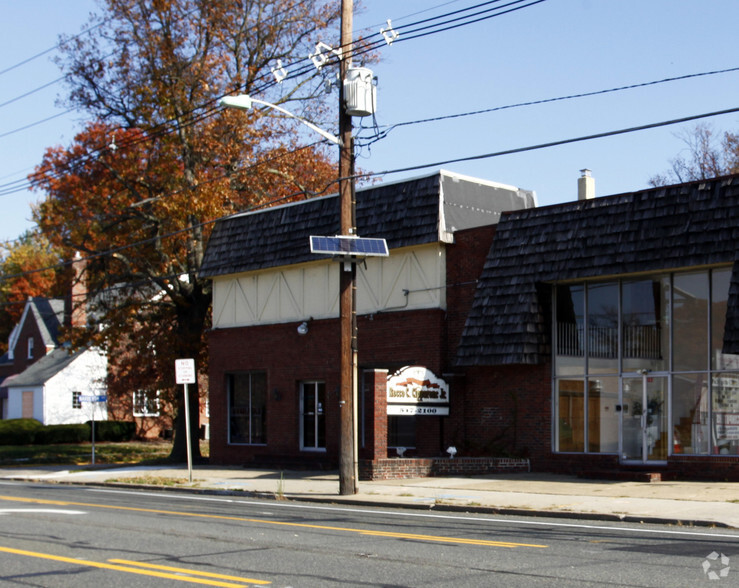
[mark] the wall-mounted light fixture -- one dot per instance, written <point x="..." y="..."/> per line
<point x="303" y="327"/>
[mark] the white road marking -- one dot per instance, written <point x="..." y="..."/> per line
<point x="4" y="511"/>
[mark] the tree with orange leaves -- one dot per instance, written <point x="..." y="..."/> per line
<point x="29" y="267"/>
<point x="136" y="192"/>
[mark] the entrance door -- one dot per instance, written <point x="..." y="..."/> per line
<point x="644" y="433"/>
<point x="312" y="423"/>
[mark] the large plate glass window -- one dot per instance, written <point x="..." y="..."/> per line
<point x="645" y="332"/>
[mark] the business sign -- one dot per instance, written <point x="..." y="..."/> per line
<point x="415" y="409"/>
<point x="416" y="390"/>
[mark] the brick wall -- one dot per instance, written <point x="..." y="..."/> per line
<point x="375" y="415"/>
<point x="386" y="340"/>
<point x="396" y="469"/>
<point x="503" y="410"/>
<point x="464" y="262"/>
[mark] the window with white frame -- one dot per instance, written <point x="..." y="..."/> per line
<point x="30" y="348"/>
<point x="146" y="403"/>
<point x="76" y="401"/>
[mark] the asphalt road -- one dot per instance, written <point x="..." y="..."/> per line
<point x="83" y="537"/>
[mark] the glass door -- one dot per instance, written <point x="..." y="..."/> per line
<point x="312" y="422"/>
<point x="644" y="432"/>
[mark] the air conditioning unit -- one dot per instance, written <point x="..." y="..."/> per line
<point x="360" y="92"/>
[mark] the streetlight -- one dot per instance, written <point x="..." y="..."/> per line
<point x="244" y="102"/>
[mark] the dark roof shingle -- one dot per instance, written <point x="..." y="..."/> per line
<point x="404" y="213"/>
<point x="658" y="229"/>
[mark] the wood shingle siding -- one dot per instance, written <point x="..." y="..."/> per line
<point x="660" y="229"/>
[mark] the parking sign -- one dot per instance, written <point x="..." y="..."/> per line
<point x="184" y="371"/>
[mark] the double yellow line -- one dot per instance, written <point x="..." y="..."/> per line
<point x="146" y="569"/>
<point x="208" y="578"/>
<point x="435" y="538"/>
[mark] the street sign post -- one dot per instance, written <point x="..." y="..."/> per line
<point x="184" y="370"/>
<point x="93" y="399"/>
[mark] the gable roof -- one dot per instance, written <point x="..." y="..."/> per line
<point x="412" y="212"/>
<point x="47" y="313"/>
<point x="658" y="229"/>
<point x="42" y="370"/>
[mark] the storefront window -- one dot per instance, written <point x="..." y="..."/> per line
<point x="690" y="321"/>
<point x="247" y="408"/>
<point x="603" y="328"/>
<point x="648" y="340"/>
<point x="690" y="425"/>
<point x="719" y="298"/>
<point x="571" y="411"/>
<point x="570" y="343"/>
<point x="602" y="414"/>
<point x="726" y="413"/>
<point x="644" y="325"/>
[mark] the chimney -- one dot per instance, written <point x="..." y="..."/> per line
<point x="585" y="185"/>
<point x="76" y="305"/>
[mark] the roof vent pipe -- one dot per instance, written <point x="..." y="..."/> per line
<point x="585" y="185"/>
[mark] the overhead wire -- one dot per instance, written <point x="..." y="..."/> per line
<point x="436" y="164"/>
<point x="302" y="69"/>
<point x="4" y="190"/>
<point x="633" y="86"/>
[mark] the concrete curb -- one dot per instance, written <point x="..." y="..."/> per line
<point x="434" y="506"/>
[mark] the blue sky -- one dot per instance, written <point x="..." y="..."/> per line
<point x="548" y="50"/>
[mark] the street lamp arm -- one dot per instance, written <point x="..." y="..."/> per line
<point x="244" y="102"/>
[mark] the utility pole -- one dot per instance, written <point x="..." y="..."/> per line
<point x="347" y="271"/>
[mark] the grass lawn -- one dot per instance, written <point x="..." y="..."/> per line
<point x="138" y="452"/>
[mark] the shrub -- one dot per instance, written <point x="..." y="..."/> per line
<point x="19" y="431"/>
<point x="54" y="434"/>
<point x="115" y="431"/>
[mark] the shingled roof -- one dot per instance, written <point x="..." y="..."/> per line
<point x="658" y="229"/>
<point x="412" y="212"/>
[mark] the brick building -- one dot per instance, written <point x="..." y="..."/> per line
<point x="595" y="335"/>
<point x="274" y="391"/>
<point x="608" y="330"/>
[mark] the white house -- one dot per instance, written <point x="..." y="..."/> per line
<point x="53" y="389"/>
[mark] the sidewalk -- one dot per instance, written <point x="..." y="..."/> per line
<point x="685" y="503"/>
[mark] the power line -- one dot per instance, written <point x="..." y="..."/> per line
<point x="557" y="143"/>
<point x="54" y="48"/>
<point x="436" y="164"/>
<point x="384" y="133"/>
<point x="154" y="133"/>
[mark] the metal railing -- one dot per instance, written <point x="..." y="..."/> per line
<point x="639" y="341"/>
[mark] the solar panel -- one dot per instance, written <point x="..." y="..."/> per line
<point x="349" y="245"/>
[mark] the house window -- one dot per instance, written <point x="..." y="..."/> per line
<point x="146" y="403"/>
<point x="247" y="408"/>
<point x="30" y="348"/>
<point x="76" y="402"/>
<point x="312" y="415"/>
